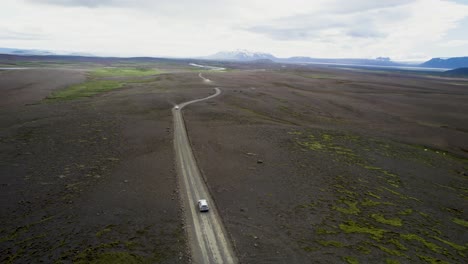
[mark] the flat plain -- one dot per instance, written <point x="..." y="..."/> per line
<point x="306" y="164"/>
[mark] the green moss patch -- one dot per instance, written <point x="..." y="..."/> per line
<point x="406" y="212"/>
<point x="390" y="251"/>
<point x="429" y="245"/>
<point x="460" y="222"/>
<point x="351" y="260"/>
<point x="124" y="72"/>
<point x="455" y="246"/>
<point x="368" y="202"/>
<point x="86" y="89"/>
<point x="352" y="208"/>
<point x="388" y="221"/>
<point x="330" y="243"/>
<point x="352" y="227"/>
<point x="432" y="260"/>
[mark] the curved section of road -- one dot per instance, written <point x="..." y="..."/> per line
<point x="203" y="78"/>
<point x="207" y="236"/>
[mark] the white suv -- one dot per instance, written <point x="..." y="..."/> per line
<point x="203" y="205"/>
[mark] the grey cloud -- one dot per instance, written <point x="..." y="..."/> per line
<point x="365" y="33"/>
<point x="369" y="23"/>
<point x="285" y="33"/>
<point x="6" y="34"/>
<point x="359" y="6"/>
<point x="82" y="3"/>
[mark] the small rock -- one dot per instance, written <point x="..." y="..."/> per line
<point x="255" y="245"/>
<point x="259" y="161"/>
<point x="255" y="237"/>
<point x="126" y="181"/>
<point x="242" y="209"/>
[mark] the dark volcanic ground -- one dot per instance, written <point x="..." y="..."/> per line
<point x="89" y="179"/>
<point x="331" y="166"/>
<point x="306" y="165"/>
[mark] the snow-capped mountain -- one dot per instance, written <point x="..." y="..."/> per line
<point x="240" y="55"/>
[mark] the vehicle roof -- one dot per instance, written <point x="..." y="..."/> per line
<point x="203" y="202"/>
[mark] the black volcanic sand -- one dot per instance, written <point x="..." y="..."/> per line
<point x="327" y="166"/>
<point x="90" y="179"/>
<point x="306" y="165"/>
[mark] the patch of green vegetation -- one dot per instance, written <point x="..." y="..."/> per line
<point x="312" y="145"/>
<point x="406" y="212"/>
<point x="352" y="227"/>
<point x="124" y="72"/>
<point x="352" y="208"/>
<point x="309" y="249"/>
<point x="388" y="221"/>
<point x="368" y="202"/>
<point x="391" y="261"/>
<point x="455" y="246"/>
<point x="330" y="243"/>
<point x="389" y="173"/>
<point x="326" y="143"/>
<point x="351" y="260"/>
<point x="460" y="222"/>
<point x="393" y="252"/>
<point x="398" y="244"/>
<point x="432" y="260"/>
<point x="429" y="245"/>
<point x="107" y="229"/>
<point x="373" y="195"/>
<point x="86" y="89"/>
<point x="371" y="168"/>
<point x="396" y="193"/>
<point x="363" y="249"/>
<point x="423" y="214"/>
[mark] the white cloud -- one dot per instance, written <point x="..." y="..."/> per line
<point x="322" y="28"/>
<point x="455" y="43"/>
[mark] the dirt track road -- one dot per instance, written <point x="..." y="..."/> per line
<point x="207" y="236"/>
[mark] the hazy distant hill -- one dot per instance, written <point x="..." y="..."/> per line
<point x="245" y="55"/>
<point x="39" y="52"/>
<point x="381" y="61"/>
<point x="240" y="55"/>
<point x="460" y="72"/>
<point x="449" y="63"/>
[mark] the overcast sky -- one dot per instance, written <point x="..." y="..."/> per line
<point x="400" y="29"/>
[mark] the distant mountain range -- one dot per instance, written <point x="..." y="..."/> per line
<point x="460" y="72"/>
<point x="245" y="56"/>
<point x="449" y="63"/>
<point x="240" y="55"/>
<point x="261" y="57"/>
<point x="38" y="52"/>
